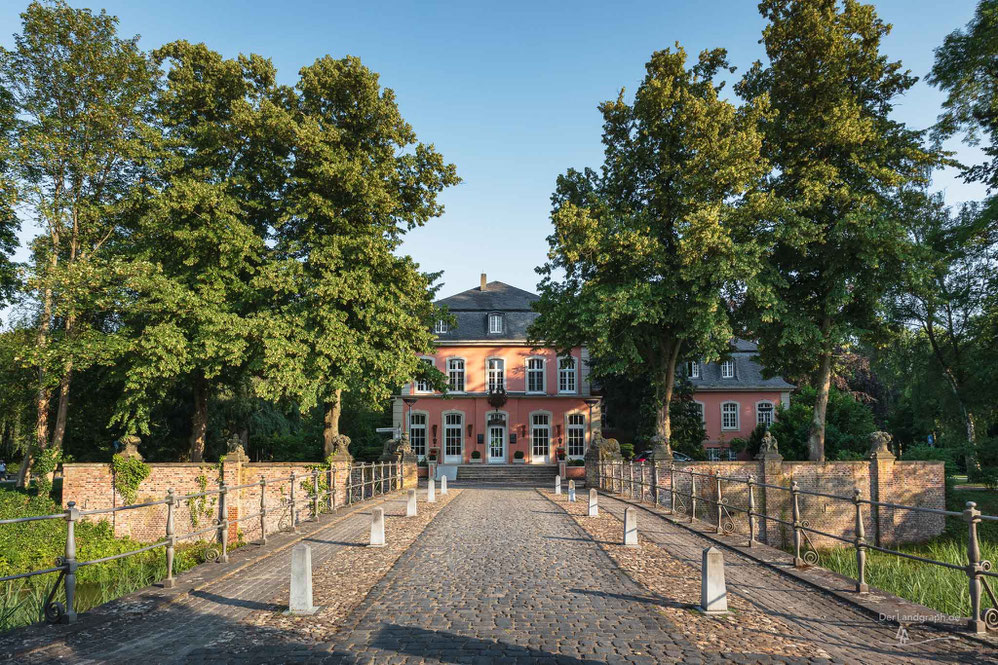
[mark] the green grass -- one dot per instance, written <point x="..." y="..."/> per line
<point x="36" y="545"/>
<point x="927" y="584"/>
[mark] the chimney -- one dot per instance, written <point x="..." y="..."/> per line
<point x="484" y="283"/>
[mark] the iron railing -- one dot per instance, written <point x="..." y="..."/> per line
<point x="384" y="478"/>
<point x="619" y="478"/>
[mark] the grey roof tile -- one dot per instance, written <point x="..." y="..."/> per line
<point x="471" y="309"/>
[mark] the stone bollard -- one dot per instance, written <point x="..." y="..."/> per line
<point x="410" y="505"/>
<point x="713" y="593"/>
<point x="443" y="484"/>
<point x="377" y="527"/>
<point x="593" y="503"/>
<point x="630" y="527"/>
<point x="431" y="491"/>
<point x="301" y="581"/>
<point x="557" y="484"/>
<point x="571" y="491"/>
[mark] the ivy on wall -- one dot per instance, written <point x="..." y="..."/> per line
<point x="128" y="474"/>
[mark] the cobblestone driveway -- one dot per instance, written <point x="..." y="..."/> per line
<point x="504" y="576"/>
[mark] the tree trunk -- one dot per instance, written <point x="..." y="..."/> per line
<point x="331" y="423"/>
<point x="816" y="433"/>
<point x="970" y="455"/>
<point x="60" y="418"/>
<point x="663" y="419"/>
<point x="199" y="421"/>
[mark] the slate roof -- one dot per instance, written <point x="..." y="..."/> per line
<point x="748" y="372"/>
<point x="471" y="308"/>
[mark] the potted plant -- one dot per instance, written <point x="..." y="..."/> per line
<point x="560" y="453"/>
<point x="432" y="457"/>
<point x="476" y="457"/>
<point x="518" y="457"/>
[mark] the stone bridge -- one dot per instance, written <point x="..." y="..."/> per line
<point x="485" y="575"/>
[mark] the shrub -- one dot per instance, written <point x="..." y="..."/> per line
<point x="518" y="454"/>
<point x="475" y="454"/>
<point x="129" y="472"/>
<point x="577" y="462"/>
<point x="627" y="450"/>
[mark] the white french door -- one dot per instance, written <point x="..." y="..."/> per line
<point x="497" y="444"/>
<point x="540" y="439"/>
<point x="453" y="438"/>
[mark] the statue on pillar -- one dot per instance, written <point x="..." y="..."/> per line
<point x="880" y="446"/>
<point x="661" y="451"/>
<point x="340" y="448"/>
<point x="130" y="447"/>
<point x="768" y="448"/>
<point x="398" y="450"/>
<point x="234" y="451"/>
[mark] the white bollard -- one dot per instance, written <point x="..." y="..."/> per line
<point x="431" y="493"/>
<point x="301" y="581"/>
<point x="410" y="506"/>
<point x="571" y="491"/>
<point x="593" y="505"/>
<point x="377" y="527"/>
<point x="443" y="484"/>
<point x="713" y="592"/>
<point x="630" y="527"/>
<point x="557" y="484"/>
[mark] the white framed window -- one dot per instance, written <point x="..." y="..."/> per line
<point x="422" y="385"/>
<point x="495" y="372"/>
<point x="455" y="374"/>
<point x="535" y="375"/>
<point x="729" y="415"/>
<point x="495" y="324"/>
<point x="732" y="455"/>
<point x="693" y="369"/>
<point x="453" y="434"/>
<point x="714" y="454"/>
<point x="576" y="435"/>
<point x="703" y="415"/>
<point x="417" y="433"/>
<point x="728" y="369"/>
<point x="540" y="434"/>
<point x="440" y="327"/>
<point x="764" y="413"/>
<point x="566" y="375"/>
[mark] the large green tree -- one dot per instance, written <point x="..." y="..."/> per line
<point x="344" y="311"/>
<point x="643" y="251"/>
<point x="215" y="177"/>
<point x="837" y="156"/>
<point x="965" y="69"/>
<point x="81" y="96"/>
<point x="9" y="223"/>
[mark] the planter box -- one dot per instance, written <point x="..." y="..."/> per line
<point x="519" y="461"/>
<point x="475" y="461"/>
<point x="422" y="472"/>
<point x="575" y="472"/>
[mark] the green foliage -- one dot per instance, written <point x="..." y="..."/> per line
<point x="476" y="454"/>
<point x="833" y="247"/>
<point x="45" y="463"/>
<point x="129" y="472"/>
<point x="648" y="244"/>
<point x="203" y="507"/>
<point x="518" y="454"/>
<point x="627" y="450"/>
<point x="932" y="453"/>
<point x="848" y="428"/>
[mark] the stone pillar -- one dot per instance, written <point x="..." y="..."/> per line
<point x="236" y="460"/>
<point x="713" y="592"/>
<point x="557" y="484"/>
<point x="631" y="527"/>
<point x="443" y="484"/>
<point x="301" y="581"/>
<point x="431" y="490"/>
<point x="377" y="527"/>
<point x="882" y="488"/>
<point x="593" y="503"/>
<point x="775" y="503"/>
<point x="571" y="491"/>
<point x="410" y="505"/>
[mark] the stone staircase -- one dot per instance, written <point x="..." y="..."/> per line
<point x="537" y="475"/>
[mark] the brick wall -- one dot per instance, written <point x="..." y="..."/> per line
<point x="920" y="484"/>
<point x="91" y="487"/>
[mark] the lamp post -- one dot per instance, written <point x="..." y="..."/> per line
<point x="408" y="401"/>
<point x="592" y="401"/>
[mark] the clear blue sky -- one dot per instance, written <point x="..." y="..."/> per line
<point x="507" y="90"/>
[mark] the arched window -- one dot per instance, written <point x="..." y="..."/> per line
<point x="455" y="374"/>
<point x="535" y="375"/>
<point x="417" y="433"/>
<point x="566" y="375"/>
<point x="576" y="439"/>
<point x="422" y="385"/>
<point x="495" y="372"/>
<point x="540" y="436"/>
<point x="453" y="437"/>
<point x="729" y="415"/>
<point x="764" y="413"/>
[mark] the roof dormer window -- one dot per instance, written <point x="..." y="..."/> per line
<point x="728" y="369"/>
<point x="440" y="327"/>
<point x="496" y="323"/>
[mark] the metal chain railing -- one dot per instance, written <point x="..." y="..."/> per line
<point x="385" y="478"/>
<point x="612" y="478"/>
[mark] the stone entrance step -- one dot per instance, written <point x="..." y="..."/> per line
<point x="518" y="474"/>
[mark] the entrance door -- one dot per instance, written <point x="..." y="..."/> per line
<point x="540" y="439"/>
<point x="497" y="444"/>
<point x="453" y="438"/>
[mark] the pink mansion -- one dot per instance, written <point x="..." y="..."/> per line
<point x="549" y="401"/>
